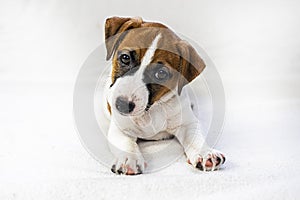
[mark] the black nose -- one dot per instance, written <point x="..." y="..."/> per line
<point x="124" y="106"/>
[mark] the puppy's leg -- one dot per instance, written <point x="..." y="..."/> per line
<point x="199" y="154"/>
<point x="129" y="159"/>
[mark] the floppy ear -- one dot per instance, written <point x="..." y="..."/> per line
<point x="191" y="65"/>
<point x="114" y="27"/>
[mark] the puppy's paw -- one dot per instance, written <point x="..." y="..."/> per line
<point x="209" y="161"/>
<point x="129" y="165"/>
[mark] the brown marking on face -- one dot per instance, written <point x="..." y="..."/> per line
<point x="169" y="61"/>
<point x="109" y="108"/>
<point x="118" y="70"/>
<point x="133" y="36"/>
<point x="135" y="43"/>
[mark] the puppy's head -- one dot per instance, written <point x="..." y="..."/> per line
<point x="148" y="62"/>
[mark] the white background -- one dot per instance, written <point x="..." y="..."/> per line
<point x="255" y="46"/>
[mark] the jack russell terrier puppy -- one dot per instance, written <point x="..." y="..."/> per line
<point x="145" y="96"/>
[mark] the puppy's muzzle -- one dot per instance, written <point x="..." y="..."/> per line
<point x="124" y="106"/>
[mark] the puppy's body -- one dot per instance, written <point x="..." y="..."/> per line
<point x="145" y="96"/>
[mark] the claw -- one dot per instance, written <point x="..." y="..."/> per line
<point x="120" y="171"/>
<point x="223" y="159"/>
<point x="113" y="168"/>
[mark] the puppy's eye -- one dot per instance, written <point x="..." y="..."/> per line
<point x="162" y="74"/>
<point x="125" y="59"/>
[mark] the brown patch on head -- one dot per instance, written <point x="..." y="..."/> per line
<point x="116" y="28"/>
<point x="181" y="59"/>
<point x="132" y="36"/>
<point x="167" y="61"/>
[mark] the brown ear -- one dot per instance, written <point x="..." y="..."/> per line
<point x="114" y="27"/>
<point x="191" y="64"/>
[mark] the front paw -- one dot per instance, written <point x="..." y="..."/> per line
<point x="209" y="161"/>
<point x="129" y="165"/>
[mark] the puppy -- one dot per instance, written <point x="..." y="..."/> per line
<point x="145" y="96"/>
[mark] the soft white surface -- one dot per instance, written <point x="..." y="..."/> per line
<point x="255" y="46"/>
